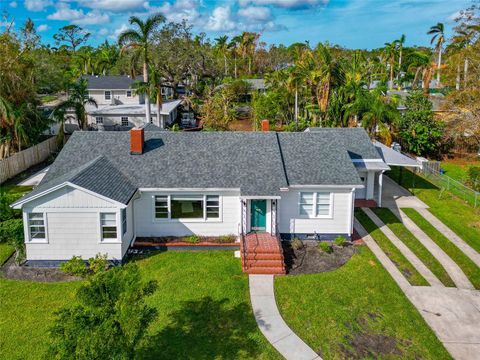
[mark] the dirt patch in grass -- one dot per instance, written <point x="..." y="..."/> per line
<point x="17" y="272"/>
<point x="363" y="342"/>
<point x="310" y="260"/>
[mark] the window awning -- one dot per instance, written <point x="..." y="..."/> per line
<point x="393" y="157"/>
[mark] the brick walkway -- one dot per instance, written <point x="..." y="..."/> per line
<point x="262" y="254"/>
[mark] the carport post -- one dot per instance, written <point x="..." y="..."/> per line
<point x="380" y="187"/>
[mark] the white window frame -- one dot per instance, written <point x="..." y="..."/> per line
<point x="314" y="214"/>
<point x="122" y="118"/>
<point x="128" y="93"/>
<point x="185" y="220"/>
<point x="124" y="220"/>
<point x="107" y="95"/>
<point x="98" y="120"/>
<point x="29" y="238"/>
<point x="100" y="228"/>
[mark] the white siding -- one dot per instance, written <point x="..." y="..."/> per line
<point x="119" y="95"/>
<point x="290" y="221"/>
<point x="129" y="235"/>
<point x="146" y="225"/>
<point x="73" y="226"/>
<point x="109" y="120"/>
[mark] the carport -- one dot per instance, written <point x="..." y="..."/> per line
<point x="392" y="158"/>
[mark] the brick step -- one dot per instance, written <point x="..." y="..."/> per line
<point x="264" y="263"/>
<point x="263" y="256"/>
<point x="263" y="250"/>
<point x="265" y="271"/>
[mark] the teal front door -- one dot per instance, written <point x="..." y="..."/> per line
<point x="258" y="215"/>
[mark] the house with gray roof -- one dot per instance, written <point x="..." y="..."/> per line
<point x="105" y="189"/>
<point x="119" y="107"/>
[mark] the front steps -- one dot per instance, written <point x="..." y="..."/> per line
<point x="262" y="254"/>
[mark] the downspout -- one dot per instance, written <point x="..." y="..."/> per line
<point x="352" y="209"/>
<point x="137" y="196"/>
<point x="380" y="187"/>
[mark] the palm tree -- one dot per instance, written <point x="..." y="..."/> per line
<point x="222" y="47"/>
<point x="390" y="52"/>
<point x="78" y="98"/>
<point x="153" y="89"/>
<point x="438" y="38"/>
<point x="419" y="62"/>
<point x="234" y="48"/>
<point x="6" y="123"/>
<point x="140" y="38"/>
<point x="400" y="43"/>
<point x="108" y="56"/>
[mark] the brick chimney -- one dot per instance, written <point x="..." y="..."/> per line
<point x="265" y="125"/>
<point x="137" y="140"/>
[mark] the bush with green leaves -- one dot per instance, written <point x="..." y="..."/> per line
<point x="226" y="239"/>
<point x="192" y="239"/>
<point x="339" y="241"/>
<point x="98" y="264"/>
<point x="75" y="267"/>
<point x="325" y="247"/>
<point x="6" y="212"/>
<point x="109" y="318"/>
<point x="473" y="174"/>
<point x="11" y="232"/>
<point x="297" y="244"/>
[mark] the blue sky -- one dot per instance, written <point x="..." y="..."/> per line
<point x="351" y="23"/>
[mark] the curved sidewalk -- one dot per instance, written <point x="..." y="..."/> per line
<point x="271" y="323"/>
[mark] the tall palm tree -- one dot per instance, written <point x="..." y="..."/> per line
<point x="107" y="58"/>
<point x="234" y="47"/>
<point x="400" y="43"/>
<point x="78" y="98"/>
<point x="153" y="89"/>
<point x="222" y="47"/>
<point x="438" y="38"/>
<point x="391" y="52"/>
<point x="141" y="38"/>
<point x="418" y="62"/>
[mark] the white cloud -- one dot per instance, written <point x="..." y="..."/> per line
<point x="114" y="5"/>
<point x="43" y="27"/>
<point x="7" y="24"/>
<point x="118" y="31"/>
<point x="37" y="5"/>
<point x="221" y="19"/>
<point x="178" y="10"/>
<point x="103" y="32"/>
<point x="78" y="17"/>
<point x="256" y="13"/>
<point x="287" y="4"/>
<point x="13" y="4"/>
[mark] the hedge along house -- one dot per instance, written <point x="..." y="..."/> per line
<point x="107" y="188"/>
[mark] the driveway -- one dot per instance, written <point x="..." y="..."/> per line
<point x="395" y="196"/>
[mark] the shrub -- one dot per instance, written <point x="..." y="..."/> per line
<point x="474" y="177"/>
<point x="11" y="231"/>
<point x="98" y="264"/>
<point x="297" y="244"/>
<point x="224" y="239"/>
<point x="339" y="241"/>
<point x="192" y="239"/>
<point x="325" y="247"/>
<point x="75" y="267"/>
<point x="6" y="212"/>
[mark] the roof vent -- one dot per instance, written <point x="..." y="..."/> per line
<point x="137" y="141"/>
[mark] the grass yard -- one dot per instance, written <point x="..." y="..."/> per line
<point x="6" y="251"/>
<point x="462" y="218"/>
<point x="413" y="244"/>
<point x="470" y="269"/>
<point x="202" y="300"/>
<point x="457" y="168"/>
<point x="356" y="312"/>
<point x="405" y="267"/>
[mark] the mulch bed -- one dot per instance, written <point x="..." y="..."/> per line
<point x="18" y="272"/>
<point x="309" y="260"/>
<point x="182" y="241"/>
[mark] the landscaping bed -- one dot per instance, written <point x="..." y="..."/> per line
<point x="309" y="259"/>
<point x="180" y="241"/>
<point x="17" y="272"/>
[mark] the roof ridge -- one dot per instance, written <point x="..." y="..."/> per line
<point x="86" y="166"/>
<point x="281" y="158"/>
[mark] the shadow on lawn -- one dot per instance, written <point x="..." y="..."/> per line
<point x="205" y="329"/>
<point x="409" y="180"/>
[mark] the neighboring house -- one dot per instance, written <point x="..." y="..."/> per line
<point x="119" y="107"/>
<point x="107" y="188"/>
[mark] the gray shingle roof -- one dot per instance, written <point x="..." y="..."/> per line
<point x="355" y="140"/>
<point x="114" y="82"/>
<point x="259" y="164"/>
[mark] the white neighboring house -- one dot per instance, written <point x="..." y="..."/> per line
<point x="119" y="107"/>
<point x="107" y="188"/>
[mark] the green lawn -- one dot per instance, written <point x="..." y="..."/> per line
<point x="462" y="218"/>
<point x="457" y="168"/>
<point x="470" y="269"/>
<point x="202" y="301"/>
<point x="359" y="304"/>
<point x="6" y="251"/>
<point x="405" y="267"/>
<point x="416" y="246"/>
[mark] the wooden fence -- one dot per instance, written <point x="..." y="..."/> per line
<point x="21" y="161"/>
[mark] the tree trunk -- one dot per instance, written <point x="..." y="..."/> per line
<point x="426" y="81"/>
<point x="235" y="60"/>
<point x="148" y="115"/>
<point x="457" y="79"/>
<point x="391" y="74"/>
<point x="225" y="65"/>
<point x="415" y="78"/>
<point x="439" y="64"/>
<point x="296" y="108"/>
<point x="465" y="73"/>
<point x="399" y="64"/>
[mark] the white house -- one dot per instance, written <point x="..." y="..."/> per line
<point x="107" y="188"/>
<point x="120" y="107"/>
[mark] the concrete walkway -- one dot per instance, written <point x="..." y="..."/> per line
<point x="271" y="323"/>
<point x="453" y="314"/>
<point x="454" y="238"/>
<point x="395" y="196"/>
<point x="409" y="255"/>
<point x="456" y="274"/>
